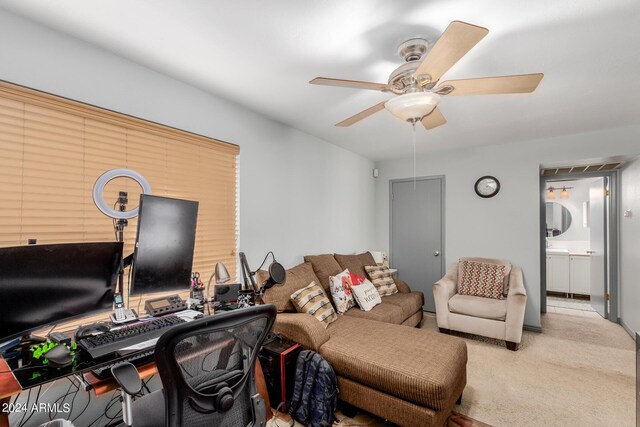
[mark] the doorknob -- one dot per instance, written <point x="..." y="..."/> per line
<point x="436" y="253"/>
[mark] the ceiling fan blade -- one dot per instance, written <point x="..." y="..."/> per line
<point x="433" y="119"/>
<point x="523" y="83"/>
<point x="455" y="42"/>
<point x="361" y="115"/>
<point x="348" y="83"/>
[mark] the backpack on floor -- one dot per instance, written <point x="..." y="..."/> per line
<point x="315" y="394"/>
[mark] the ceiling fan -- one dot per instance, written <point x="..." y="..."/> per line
<point x="416" y="81"/>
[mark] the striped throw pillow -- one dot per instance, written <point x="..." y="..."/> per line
<point x="481" y="279"/>
<point x="381" y="278"/>
<point x="312" y="300"/>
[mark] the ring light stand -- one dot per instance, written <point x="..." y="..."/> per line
<point x="120" y="216"/>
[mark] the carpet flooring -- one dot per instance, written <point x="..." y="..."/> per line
<point x="579" y="372"/>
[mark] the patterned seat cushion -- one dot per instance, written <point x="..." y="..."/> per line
<point x="481" y="279"/>
<point x="313" y="301"/>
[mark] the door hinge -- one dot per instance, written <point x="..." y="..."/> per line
<point x="606" y="193"/>
<point x="391" y="196"/>
<point x="607" y="297"/>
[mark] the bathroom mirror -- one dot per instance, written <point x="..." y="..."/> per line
<point x="558" y="219"/>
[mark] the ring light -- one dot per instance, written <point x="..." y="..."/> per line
<point x="101" y="182"/>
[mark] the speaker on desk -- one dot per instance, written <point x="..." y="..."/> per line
<point x="226" y="294"/>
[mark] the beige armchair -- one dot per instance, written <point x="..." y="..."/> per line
<point x="499" y="319"/>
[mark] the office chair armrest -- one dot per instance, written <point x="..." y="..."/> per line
<point x="301" y="328"/>
<point x="127" y="377"/>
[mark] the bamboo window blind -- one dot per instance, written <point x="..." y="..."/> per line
<point x="52" y="150"/>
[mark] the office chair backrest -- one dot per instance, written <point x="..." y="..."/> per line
<point x="207" y="368"/>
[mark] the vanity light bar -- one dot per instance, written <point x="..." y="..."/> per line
<point x="580" y="169"/>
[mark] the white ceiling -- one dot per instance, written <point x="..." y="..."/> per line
<point x="263" y="53"/>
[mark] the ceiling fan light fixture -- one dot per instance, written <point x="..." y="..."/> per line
<point x="411" y="107"/>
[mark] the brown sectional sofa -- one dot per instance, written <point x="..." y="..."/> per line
<point x="407" y="375"/>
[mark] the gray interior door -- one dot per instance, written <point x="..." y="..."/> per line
<point x="416" y="234"/>
<point x="598" y="236"/>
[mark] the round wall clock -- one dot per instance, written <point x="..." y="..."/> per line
<point x="487" y="186"/>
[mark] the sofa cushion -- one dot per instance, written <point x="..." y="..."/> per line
<point x="487" y="308"/>
<point x="324" y="266"/>
<point x="381" y="278"/>
<point x="313" y="301"/>
<point x="481" y="279"/>
<point x="507" y="268"/>
<point x="410" y="303"/>
<point x="297" y="278"/>
<point x="355" y="263"/>
<point x="426" y="369"/>
<point x="387" y="313"/>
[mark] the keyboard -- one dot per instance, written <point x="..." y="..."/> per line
<point x="137" y="359"/>
<point x="134" y="337"/>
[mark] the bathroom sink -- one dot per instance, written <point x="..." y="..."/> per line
<point x="557" y="251"/>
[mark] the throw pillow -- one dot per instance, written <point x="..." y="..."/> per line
<point x="340" y="286"/>
<point x="366" y="295"/>
<point x="381" y="278"/>
<point x="481" y="279"/>
<point x="507" y="269"/>
<point x="297" y="278"/>
<point x="356" y="279"/>
<point x="312" y="300"/>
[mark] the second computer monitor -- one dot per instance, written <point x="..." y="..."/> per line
<point x="165" y="241"/>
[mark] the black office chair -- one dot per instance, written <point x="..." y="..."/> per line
<point x="207" y="372"/>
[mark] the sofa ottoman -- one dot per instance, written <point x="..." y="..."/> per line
<point x="408" y="364"/>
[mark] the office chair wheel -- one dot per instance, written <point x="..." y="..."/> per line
<point x="225" y="400"/>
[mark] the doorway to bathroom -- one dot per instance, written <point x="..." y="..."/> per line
<point x="579" y="243"/>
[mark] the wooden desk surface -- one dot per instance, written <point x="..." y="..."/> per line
<point x="9" y="386"/>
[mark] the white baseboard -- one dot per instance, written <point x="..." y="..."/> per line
<point x="532" y="328"/>
<point x="628" y="329"/>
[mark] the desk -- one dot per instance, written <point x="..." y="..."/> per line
<point x="10" y="386"/>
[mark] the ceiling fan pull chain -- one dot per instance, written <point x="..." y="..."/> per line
<point x="413" y="125"/>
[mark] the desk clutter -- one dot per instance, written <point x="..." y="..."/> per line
<point x="51" y="285"/>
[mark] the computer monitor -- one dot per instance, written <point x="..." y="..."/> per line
<point x="42" y="285"/>
<point x="165" y="241"/>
